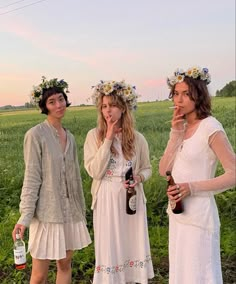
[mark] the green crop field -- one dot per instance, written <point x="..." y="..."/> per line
<point x="153" y="120"/>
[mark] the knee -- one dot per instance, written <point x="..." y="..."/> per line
<point x="38" y="278"/>
<point x="64" y="264"/>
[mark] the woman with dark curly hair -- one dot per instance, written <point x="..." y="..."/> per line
<point x="52" y="201"/>
<point x="197" y="141"/>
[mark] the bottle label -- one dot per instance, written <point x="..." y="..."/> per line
<point x="20" y="255"/>
<point x="132" y="203"/>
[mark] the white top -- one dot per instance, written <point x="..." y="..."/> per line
<point x="196" y="161"/>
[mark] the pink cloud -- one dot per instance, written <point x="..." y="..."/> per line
<point x="154" y="83"/>
<point x="38" y="39"/>
<point x="101" y="58"/>
<point x="11" y="77"/>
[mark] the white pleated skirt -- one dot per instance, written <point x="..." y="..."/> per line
<point x="194" y="254"/>
<point x="52" y="240"/>
<point x="122" y="248"/>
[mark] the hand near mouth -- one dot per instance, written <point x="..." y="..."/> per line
<point x="112" y="128"/>
<point x="178" y="119"/>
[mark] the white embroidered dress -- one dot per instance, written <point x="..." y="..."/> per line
<point x="121" y="240"/>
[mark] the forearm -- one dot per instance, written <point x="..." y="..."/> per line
<point x="224" y="152"/>
<point x="27" y="207"/>
<point x="167" y="160"/>
<point x="96" y="159"/>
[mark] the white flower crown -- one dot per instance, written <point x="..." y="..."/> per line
<point x="193" y="72"/>
<point x="108" y="88"/>
<point x="37" y="92"/>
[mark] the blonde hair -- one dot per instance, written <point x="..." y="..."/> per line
<point x="127" y="125"/>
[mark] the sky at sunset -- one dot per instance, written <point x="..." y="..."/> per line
<point x="141" y="41"/>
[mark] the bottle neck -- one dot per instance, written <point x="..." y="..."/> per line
<point x="18" y="236"/>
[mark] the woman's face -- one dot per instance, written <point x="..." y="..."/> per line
<point x="182" y="99"/>
<point x="110" y="111"/>
<point x="56" y="106"/>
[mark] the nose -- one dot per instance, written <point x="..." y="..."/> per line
<point x="108" y="108"/>
<point x="179" y="98"/>
<point x="59" y="103"/>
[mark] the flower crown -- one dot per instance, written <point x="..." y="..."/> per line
<point x="38" y="91"/>
<point x="194" y="72"/>
<point x="108" y="88"/>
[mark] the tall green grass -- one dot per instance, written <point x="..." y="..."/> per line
<point x="153" y="120"/>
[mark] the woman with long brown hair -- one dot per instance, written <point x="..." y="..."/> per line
<point x="197" y="142"/>
<point x="122" y="248"/>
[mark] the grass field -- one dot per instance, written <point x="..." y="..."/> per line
<point x="153" y="120"/>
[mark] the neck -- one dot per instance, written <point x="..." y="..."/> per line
<point x="191" y="118"/>
<point x="55" y="122"/>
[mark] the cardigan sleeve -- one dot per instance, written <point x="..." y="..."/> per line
<point x="96" y="158"/>
<point x="32" y="177"/>
<point x="78" y="178"/>
<point x="144" y="165"/>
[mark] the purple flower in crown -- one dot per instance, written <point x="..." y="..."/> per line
<point x="193" y="72"/>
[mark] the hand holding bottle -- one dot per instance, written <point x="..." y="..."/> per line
<point x="131" y="196"/>
<point x="178" y="192"/>
<point x="174" y="197"/>
<point x="19" y="251"/>
<point x="21" y="229"/>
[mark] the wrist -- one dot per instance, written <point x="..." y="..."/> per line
<point x="141" y="177"/>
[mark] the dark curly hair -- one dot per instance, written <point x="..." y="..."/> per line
<point x="198" y="92"/>
<point x="48" y="93"/>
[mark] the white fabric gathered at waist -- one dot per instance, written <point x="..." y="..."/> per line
<point x="199" y="211"/>
<point x="114" y="178"/>
<point x="52" y="240"/>
<point x="211" y="227"/>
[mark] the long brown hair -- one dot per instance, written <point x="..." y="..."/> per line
<point x="198" y="92"/>
<point x="127" y="125"/>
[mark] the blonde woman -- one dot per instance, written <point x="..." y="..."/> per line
<point x="122" y="248"/>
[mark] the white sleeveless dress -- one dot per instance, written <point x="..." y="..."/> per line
<point x="121" y="240"/>
<point x="194" y="238"/>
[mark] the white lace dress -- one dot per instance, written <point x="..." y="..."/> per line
<point x="121" y="240"/>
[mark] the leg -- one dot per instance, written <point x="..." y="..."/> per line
<point x="64" y="269"/>
<point x="39" y="271"/>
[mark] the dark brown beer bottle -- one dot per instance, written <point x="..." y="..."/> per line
<point x="131" y="197"/>
<point x="177" y="207"/>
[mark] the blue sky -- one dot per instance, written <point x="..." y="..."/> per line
<point x="141" y="41"/>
